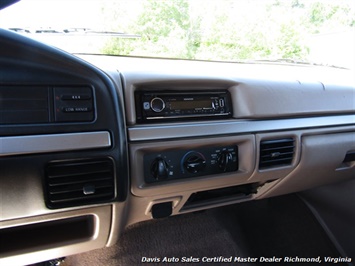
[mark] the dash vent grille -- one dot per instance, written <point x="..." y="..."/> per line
<point x="277" y="152"/>
<point x="75" y="183"/>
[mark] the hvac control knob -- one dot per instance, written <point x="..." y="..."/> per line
<point x="225" y="161"/>
<point x="194" y="162"/>
<point x="159" y="169"/>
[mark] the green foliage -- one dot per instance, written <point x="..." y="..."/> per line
<point x="224" y="30"/>
<point x="323" y="17"/>
<point x="161" y="18"/>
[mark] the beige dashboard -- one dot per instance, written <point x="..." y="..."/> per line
<point x="168" y="166"/>
<point x="316" y="116"/>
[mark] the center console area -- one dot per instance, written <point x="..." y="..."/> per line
<point x="201" y="143"/>
<point x="172" y="175"/>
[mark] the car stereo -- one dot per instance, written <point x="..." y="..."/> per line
<point x="153" y="106"/>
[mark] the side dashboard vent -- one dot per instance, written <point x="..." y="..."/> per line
<point x="277" y="152"/>
<point x="75" y="183"/>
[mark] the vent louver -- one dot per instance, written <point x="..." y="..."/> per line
<point x="277" y="152"/>
<point x="75" y="183"/>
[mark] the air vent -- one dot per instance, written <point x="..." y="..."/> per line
<point x="278" y="152"/>
<point x="75" y="183"/>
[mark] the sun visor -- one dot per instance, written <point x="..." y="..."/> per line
<point x="6" y="3"/>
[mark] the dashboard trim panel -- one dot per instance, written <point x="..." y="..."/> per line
<point x="33" y="144"/>
<point x="159" y="132"/>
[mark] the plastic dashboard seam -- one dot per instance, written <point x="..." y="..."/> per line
<point x="158" y="132"/>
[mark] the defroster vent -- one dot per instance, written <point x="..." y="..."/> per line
<point x="76" y="183"/>
<point x="277" y="152"/>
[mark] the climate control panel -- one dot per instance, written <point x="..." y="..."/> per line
<point x="182" y="163"/>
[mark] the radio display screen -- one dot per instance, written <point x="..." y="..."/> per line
<point x="184" y="105"/>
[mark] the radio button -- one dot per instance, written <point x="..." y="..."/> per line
<point x="157" y="105"/>
<point x="146" y="105"/>
<point x="214" y="105"/>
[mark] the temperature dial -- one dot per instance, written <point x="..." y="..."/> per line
<point x="194" y="162"/>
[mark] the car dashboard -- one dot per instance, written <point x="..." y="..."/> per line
<point x="91" y="144"/>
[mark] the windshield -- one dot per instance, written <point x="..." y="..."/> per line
<point x="294" y="31"/>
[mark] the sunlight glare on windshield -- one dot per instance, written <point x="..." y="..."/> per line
<point x="218" y="30"/>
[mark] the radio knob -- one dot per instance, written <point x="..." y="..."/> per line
<point x="159" y="169"/>
<point x="157" y="104"/>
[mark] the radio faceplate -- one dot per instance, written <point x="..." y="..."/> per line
<point x="152" y="106"/>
